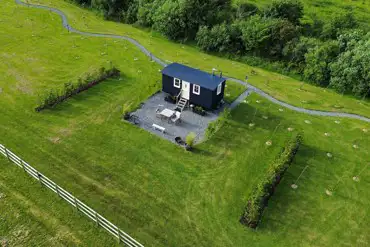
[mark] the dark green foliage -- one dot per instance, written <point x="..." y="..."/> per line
<point x="54" y="96"/>
<point x="268" y="183"/>
<point x="220" y="38"/>
<point x="351" y="72"/>
<point x="245" y="10"/>
<point x="267" y="36"/>
<point x="294" y="52"/>
<point x="180" y="20"/>
<point x="290" y="10"/>
<point x="336" y="25"/>
<point x="318" y="61"/>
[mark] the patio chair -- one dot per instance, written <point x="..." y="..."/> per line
<point x="176" y="117"/>
<point x="158" y="113"/>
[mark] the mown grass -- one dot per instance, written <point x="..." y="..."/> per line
<point x="282" y="87"/>
<point x="152" y="189"/>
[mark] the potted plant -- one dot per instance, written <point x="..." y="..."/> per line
<point x="171" y="99"/>
<point x="199" y="110"/>
<point x="189" y="141"/>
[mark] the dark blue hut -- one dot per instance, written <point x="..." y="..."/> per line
<point x="193" y="86"/>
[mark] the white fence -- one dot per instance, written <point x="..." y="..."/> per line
<point x="93" y="215"/>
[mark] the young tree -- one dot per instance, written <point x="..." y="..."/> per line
<point x="291" y="10"/>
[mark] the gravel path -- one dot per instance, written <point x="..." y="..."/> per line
<point x="162" y="63"/>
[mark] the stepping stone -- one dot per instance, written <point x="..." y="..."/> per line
<point x="290" y="129"/>
<point x="294" y="186"/>
<point x="355" y="146"/>
<point x="269" y="143"/>
<point x="329" y="155"/>
<point x="326" y="134"/>
<point x="328" y="192"/>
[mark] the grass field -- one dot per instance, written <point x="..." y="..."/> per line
<point x="325" y="9"/>
<point x="279" y="86"/>
<point x="155" y="191"/>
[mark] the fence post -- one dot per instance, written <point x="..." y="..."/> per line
<point x="76" y="203"/>
<point x="97" y="218"/>
<point x="118" y="234"/>
<point x="56" y="189"/>
<point x="6" y="153"/>
<point x="24" y="167"/>
<point x="40" y="177"/>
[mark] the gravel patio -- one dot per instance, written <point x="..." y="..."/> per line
<point x="190" y="122"/>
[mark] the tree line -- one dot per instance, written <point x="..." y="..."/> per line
<point x="333" y="53"/>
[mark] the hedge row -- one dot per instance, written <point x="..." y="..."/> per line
<point x="55" y="96"/>
<point x="266" y="187"/>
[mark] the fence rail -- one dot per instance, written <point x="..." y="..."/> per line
<point x="80" y="206"/>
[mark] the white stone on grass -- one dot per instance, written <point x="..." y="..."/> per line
<point x="251" y="124"/>
<point x="294" y="186"/>
<point x="135" y="59"/>
<point x="326" y="134"/>
<point x="280" y="109"/>
<point x="328" y="192"/>
<point x="290" y="129"/>
<point x="356" y="179"/>
<point x="257" y="101"/>
<point x="269" y="143"/>
<point x="337" y="121"/>
<point x="329" y="155"/>
<point x="355" y="146"/>
<point x="364" y="130"/>
<point x="307" y="121"/>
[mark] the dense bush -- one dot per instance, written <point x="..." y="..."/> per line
<point x="220" y="38"/>
<point x="245" y="10"/>
<point x="318" y="60"/>
<point x="351" y="72"/>
<point x="290" y="10"/>
<point x="54" y="96"/>
<point x="267" y="185"/>
<point x="266" y="36"/>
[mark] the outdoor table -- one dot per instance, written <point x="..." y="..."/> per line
<point x="167" y="113"/>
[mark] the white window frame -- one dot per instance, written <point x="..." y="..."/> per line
<point x="177" y="82"/>
<point x="194" y="87"/>
<point x="219" y="88"/>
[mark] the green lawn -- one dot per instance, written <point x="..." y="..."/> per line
<point x="152" y="189"/>
<point x="282" y="87"/>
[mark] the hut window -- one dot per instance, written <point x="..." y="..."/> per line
<point x="219" y="88"/>
<point x="196" y="89"/>
<point x="176" y="82"/>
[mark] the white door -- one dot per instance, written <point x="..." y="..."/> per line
<point x="185" y="93"/>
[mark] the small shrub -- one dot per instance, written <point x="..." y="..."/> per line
<point x="190" y="139"/>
